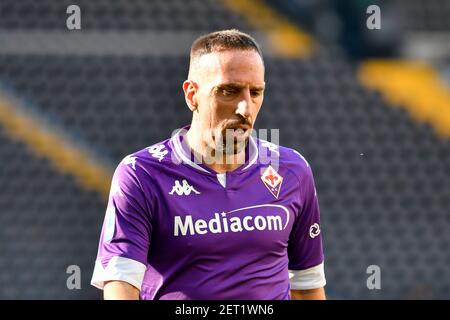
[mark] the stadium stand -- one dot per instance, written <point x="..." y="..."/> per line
<point x="117" y="15"/>
<point x="382" y="178"/>
<point x="47" y="224"/>
<point x="421" y="15"/>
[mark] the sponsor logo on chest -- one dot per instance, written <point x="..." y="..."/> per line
<point x="272" y="218"/>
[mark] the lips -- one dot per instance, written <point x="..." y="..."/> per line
<point x="241" y="126"/>
<point x="237" y="131"/>
<point x="237" y="134"/>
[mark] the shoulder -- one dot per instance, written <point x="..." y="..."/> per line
<point x="285" y="158"/>
<point x="136" y="174"/>
<point x="292" y="163"/>
<point x="140" y="169"/>
<point x="148" y="159"/>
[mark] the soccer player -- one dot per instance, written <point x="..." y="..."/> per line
<point x="203" y="215"/>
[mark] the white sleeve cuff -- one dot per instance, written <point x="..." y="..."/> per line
<point x="311" y="278"/>
<point x="119" y="268"/>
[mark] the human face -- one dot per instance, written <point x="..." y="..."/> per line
<point x="229" y="96"/>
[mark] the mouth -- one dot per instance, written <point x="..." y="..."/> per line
<point x="239" y="126"/>
<point x="237" y="129"/>
<point x="233" y="133"/>
<point x="236" y="134"/>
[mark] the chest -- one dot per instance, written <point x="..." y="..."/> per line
<point x="224" y="214"/>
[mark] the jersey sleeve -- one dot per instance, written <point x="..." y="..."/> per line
<point x="125" y="236"/>
<point x="305" y="250"/>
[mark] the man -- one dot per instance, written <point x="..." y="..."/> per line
<point x="201" y="215"/>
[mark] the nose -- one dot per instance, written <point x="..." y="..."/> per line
<point x="243" y="107"/>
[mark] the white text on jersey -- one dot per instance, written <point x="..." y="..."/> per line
<point x="221" y="223"/>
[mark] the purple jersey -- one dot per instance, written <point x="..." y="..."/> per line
<point x="176" y="229"/>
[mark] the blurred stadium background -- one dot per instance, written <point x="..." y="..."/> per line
<point x="369" y="109"/>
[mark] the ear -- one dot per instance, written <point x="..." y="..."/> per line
<point x="190" y="91"/>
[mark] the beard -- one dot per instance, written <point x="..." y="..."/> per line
<point x="224" y="144"/>
<point x="232" y="141"/>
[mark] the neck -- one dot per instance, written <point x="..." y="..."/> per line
<point x="220" y="163"/>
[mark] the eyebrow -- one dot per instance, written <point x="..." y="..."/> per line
<point x="240" y="86"/>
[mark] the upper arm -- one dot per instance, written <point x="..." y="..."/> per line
<point x="125" y="238"/>
<point x="305" y="249"/>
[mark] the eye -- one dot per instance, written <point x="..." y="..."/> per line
<point x="228" y="92"/>
<point x="255" y="93"/>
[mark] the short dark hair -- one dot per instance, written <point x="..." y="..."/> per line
<point x="223" y="40"/>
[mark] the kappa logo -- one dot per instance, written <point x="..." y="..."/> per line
<point x="272" y="180"/>
<point x="130" y="160"/>
<point x="314" y="230"/>
<point x="183" y="189"/>
<point x="158" y="152"/>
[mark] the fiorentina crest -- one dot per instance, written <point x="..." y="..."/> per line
<point x="272" y="180"/>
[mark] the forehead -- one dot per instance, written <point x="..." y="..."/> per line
<point x="232" y="66"/>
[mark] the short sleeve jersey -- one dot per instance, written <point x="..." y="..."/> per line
<point x="175" y="229"/>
